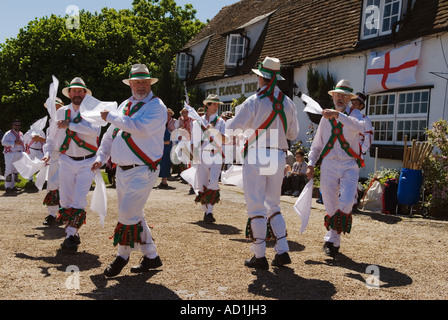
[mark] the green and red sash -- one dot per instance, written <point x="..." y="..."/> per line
<point x="337" y="134"/>
<point x="206" y="135"/>
<point x="128" y="111"/>
<point x="277" y="110"/>
<point x="70" y="135"/>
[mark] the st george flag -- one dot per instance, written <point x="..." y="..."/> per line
<point x="392" y="69"/>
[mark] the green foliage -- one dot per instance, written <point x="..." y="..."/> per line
<point x="318" y="87"/>
<point x="237" y="102"/>
<point x="382" y="175"/>
<point x="101" y="51"/>
<point x="435" y="168"/>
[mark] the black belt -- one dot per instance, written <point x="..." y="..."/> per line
<point x="132" y="166"/>
<point x="83" y="158"/>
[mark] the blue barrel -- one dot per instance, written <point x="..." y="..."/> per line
<point x="409" y="186"/>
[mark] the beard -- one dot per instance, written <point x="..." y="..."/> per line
<point x="76" y="100"/>
<point x="139" y="96"/>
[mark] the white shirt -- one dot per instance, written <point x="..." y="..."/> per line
<point x="197" y="134"/>
<point x="353" y="125"/>
<point x="9" y="139"/>
<point x="253" y="112"/>
<point x="368" y="134"/>
<point x="86" y="131"/>
<point x="147" y="129"/>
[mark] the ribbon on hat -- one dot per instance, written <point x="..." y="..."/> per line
<point x="269" y="90"/>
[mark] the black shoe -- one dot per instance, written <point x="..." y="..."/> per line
<point x="330" y="250"/>
<point x="147" y="264"/>
<point x="208" y="217"/>
<point x="115" y="267"/>
<point x="191" y="191"/>
<point x="71" y="244"/>
<point x="49" y="221"/>
<point x="281" y="259"/>
<point x="257" y="263"/>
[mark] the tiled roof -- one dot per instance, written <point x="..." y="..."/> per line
<point x="301" y="31"/>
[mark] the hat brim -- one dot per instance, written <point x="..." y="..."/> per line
<point x="153" y="80"/>
<point x="266" y="75"/>
<point x="65" y="91"/>
<point x="352" y="95"/>
<point x="207" y="101"/>
<point x="60" y="104"/>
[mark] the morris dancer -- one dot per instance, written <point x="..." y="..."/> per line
<point x="208" y="156"/>
<point x="366" y="138"/>
<point x="134" y="141"/>
<point x="13" y="145"/>
<point x="273" y="116"/>
<point x="51" y="200"/>
<point x="337" y="145"/>
<point x="77" y="142"/>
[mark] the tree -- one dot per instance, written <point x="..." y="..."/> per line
<point x="101" y="51"/>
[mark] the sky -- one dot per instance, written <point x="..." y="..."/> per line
<point x="15" y="14"/>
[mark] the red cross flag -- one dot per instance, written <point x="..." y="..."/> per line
<point x="392" y="69"/>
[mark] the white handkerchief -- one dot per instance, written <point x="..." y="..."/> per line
<point x="27" y="167"/>
<point x="99" y="197"/>
<point x="91" y="108"/>
<point x="233" y="176"/>
<point x="189" y="175"/>
<point x="311" y="105"/>
<point x="303" y="205"/>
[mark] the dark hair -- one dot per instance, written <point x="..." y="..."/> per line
<point x="300" y="152"/>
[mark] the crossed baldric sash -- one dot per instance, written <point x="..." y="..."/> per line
<point x="128" y="111"/>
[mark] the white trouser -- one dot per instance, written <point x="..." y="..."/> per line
<point x="76" y="178"/>
<point x="262" y="178"/>
<point x="339" y="187"/>
<point x="53" y="180"/>
<point x="133" y="189"/>
<point x="207" y="175"/>
<point x="10" y="158"/>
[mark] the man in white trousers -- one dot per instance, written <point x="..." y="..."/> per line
<point x="267" y="119"/>
<point x="134" y="141"/>
<point x="336" y="145"/>
<point x="13" y="146"/>
<point x="51" y="155"/>
<point x="208" y="156"/>
<point x="76" y="140"/>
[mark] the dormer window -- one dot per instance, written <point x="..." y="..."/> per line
<point x="184" y="65"/>
<point x="235" y="49"/>
<point x="379" y="17"/>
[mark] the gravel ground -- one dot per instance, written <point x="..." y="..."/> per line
<point x="205" y="261"/>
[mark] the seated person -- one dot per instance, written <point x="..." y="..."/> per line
<point x="295" y="179"/>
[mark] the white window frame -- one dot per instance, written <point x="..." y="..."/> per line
<point x="235" y="51"/>
<point x="376" y="13"/>
<point x="183" y="65"/>
<point x="396" y="112"/>
<point x="225" y="107"/>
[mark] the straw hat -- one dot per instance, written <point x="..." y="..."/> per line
<point x="58" y="101"/>
<point x="76" y="83"/>
<point x="140" y="72"/>
<point x="344" y="87"/>
<point x="268" y="67"/>
<point x="212" y="98"/>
